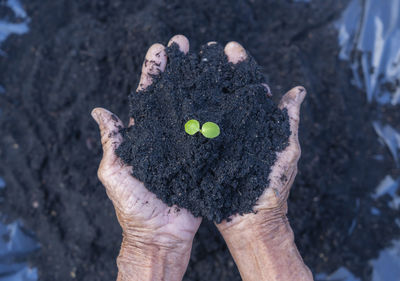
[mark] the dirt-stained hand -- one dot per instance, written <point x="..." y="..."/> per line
<point x="273" y="203"/>
<point x="265" y="236"/>
<point x="151" y="229"/>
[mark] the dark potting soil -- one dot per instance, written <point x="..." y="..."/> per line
<point x="87" y="53"/>
<point x="213" y="178"/>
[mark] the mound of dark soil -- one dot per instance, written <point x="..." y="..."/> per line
<point x="88" y="53"/>
<point x="214" y="178"/>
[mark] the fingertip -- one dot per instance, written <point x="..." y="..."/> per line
<point x="155" y="48"/>
<point x="182" y="42"/>
<point x="293" y="98"/>
<point x="131" y="122"/>
<point x="300" y="93"/>
<point x="99" y="114"/>
<point x="105" y="118"/>
<point x="268" y="89"/>
<point x="154" y="63"/>
<point x="95" y="114"/>
<point x="235" y="52"/>
<point x="156" y="59"/>
<point x="109" y="126"/>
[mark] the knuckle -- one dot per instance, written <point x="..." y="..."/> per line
<point x="100" y="174"/>
<point x="103" y="172"/>
<point x="293" y="153"/>
<point x="297" y="149"/>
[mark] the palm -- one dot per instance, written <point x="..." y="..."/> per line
<point x="282" y="175"/>
<point x="135" y="203"/>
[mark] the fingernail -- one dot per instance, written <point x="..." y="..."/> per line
<point x="301" y="90"/>
<point x="269" y="94"/>
<point x="301" y="93"/>
<point x="235" y="52"/>
<point x="95" y="115"/>
<point x="298" y="94"/>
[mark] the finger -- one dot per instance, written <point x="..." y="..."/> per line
<point x="182" y="42"/>
<point x="109" y="125"/>
<point x="292" y="101"/>
<point x="154" y="63"/>
<point x="269" y="94"/>
<point x="284" y="170"/>
<point x="131" y="122"/>
<point x="235" y="52"/>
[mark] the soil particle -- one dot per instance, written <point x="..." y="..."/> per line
<point x="214" y="178"/>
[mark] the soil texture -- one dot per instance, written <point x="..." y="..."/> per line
<point x="211" y="177"/>
<point x="82" y="54"/>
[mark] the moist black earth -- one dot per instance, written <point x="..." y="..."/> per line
<point x="87" y="53"/>
<point x="211" y="177"/>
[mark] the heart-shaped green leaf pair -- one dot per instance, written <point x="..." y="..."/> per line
<point x="209" y="129"/>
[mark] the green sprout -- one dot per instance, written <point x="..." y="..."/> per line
<point x="192" y="127"/>
<point x="209" y="129"/>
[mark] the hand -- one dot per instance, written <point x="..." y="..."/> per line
<point x="157" y="239"/>
<point x="265" y="237"/>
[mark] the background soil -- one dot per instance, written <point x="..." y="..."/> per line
<point x="82" y="54"/>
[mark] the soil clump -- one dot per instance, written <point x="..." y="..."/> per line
<point x="211" y="177"/>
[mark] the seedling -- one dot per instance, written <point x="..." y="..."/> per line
<point x="192" y="127"/>
<point x="209" y="129"/>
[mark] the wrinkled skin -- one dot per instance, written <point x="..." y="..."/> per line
<point x="137" y="207"/>
<point x="145" y="220"/>
<point x="151" y="226"/>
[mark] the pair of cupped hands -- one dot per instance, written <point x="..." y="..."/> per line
<point x="157" y="239"/>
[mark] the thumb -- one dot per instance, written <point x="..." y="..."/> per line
<point x="109" y="125"/>
<point x="292" y="101"/>
<point x="285" y="168"/>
